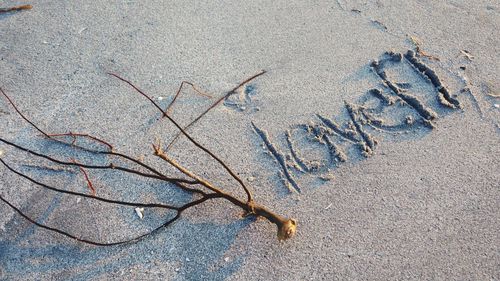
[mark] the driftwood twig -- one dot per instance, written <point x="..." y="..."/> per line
<point x="202" y="189"/>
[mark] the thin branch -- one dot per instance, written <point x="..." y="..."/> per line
<point x="214" y="105"/>
<point x="132" y="240"/>
<point x="169" y="107"/>
<point x="140" y="92"/>
<point x="158" y="151"/>
<point x="249" y="195"/>
<point x="20" y="114"/>
<point x="158" y="176"/>
<point x="53" y="229"/>
<point x="89" y="183"/>
<point x="75" y="135"/>
<point x="117" y="202"/>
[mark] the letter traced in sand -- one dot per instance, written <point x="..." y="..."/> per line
<point x="293" y="186"/>
<point x="444" y="96"/>
<point x="368" y="142"/>
<point x="407" y="114"/>
<point x="318" y="134"/>
<point x="346" y="134"/>
<point x="378" y="66"/>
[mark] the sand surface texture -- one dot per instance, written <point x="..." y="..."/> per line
<point x="376" y="127"/>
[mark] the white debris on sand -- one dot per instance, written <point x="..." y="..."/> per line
<point x="140" y="212"/>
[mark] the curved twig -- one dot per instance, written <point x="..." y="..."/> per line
<point x="87" y="178"/>
<point x="169" y="106"/>
<point x="20" y="114"/>
<point x="132" y="240"/>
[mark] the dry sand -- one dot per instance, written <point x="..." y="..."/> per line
<point x="419" y="204"/>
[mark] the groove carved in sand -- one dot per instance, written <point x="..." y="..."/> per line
<point x="397" y="112"/>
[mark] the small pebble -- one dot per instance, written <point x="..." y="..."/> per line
<point x="495" y="105"/>
<point x="226" y="259"/>
<point x="327" y="177"/>
<point x="1" y="153"/>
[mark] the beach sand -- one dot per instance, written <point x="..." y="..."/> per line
<point x="386" y="183"/>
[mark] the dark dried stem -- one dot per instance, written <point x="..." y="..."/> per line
<point x="169" y="107"/>
<point x="213" y="106"/>
<point x="132" y="240"/>
<point x="247" y="191"/>
<point x="87" y="179"/>
<point x="20" y="114"/>
<point x="75" y="135"/>
<point x="157" y="174"/>
<point x="135" y="204"/>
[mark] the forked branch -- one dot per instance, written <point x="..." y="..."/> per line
<point x="213" y="105"/>
<point x="87" y="178"/>
<point x="200" y="92"/>
<point x="286" y="227"/>
<point x="183" y="131"/>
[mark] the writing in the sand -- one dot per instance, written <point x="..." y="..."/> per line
<point x="393" y="109"/>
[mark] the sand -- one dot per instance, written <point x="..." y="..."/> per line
<point x="390" y="169"/>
